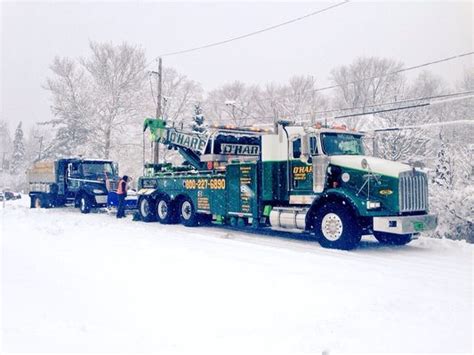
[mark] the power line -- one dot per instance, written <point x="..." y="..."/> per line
<point x="442" y="98"/>
<point x="254" y="32"/>
<point x="151" y="88"/>
<point x="367" y="78"/>
<point x="436" y="124"/>
<point x="244" y="35"/>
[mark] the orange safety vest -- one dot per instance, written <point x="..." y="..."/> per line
<point x="120" y="190"/>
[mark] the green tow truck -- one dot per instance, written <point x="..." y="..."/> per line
<point x="295" y="178"/>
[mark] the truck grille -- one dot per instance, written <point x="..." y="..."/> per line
<point x="413" y="191"/>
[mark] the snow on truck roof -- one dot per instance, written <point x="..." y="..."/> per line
<point x="291" y="127"/>
<point x="88" y="160"/>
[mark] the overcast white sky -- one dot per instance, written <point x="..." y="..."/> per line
<point x="33" y="33"/>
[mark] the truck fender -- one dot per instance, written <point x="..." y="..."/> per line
<point x="147" y="192"/>
<point x="180" y="197"/>
<point x="329" y="196"/>
<point x="79" y="194"/>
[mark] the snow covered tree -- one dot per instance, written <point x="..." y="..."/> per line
<point x="378" y="86"/>
<point x="95" y="98"/>
<point x="71" y="107"/>
<point x="18" y="154"/>
<point x="116" y="81"/>
<point x="413" y="144"/>
<point x="180" y="94"/>
<point x="296" y="100"/>
<point x="443" y="174"/>
<point x="5" y="146"/>
<point x="198" y="119"/>
<point x="233" y="103"/>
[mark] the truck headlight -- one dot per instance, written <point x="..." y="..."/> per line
<point x="372" y="205"/>
<point x="98" y="191"/>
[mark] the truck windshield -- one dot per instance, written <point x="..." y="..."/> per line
<point x="342" y="144"/>
<point x="97" y="169"/>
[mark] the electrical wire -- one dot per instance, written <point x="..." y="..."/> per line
<point x="151" y="89"/>
<point x="436" y="124"/>
<point x="365" y="79"/>
<point x="254" y="32"/>
<point x="444" y="98"/>
<point x="244" y="35"/>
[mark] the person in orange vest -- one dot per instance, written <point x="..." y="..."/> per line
<point x="121" y="194"/>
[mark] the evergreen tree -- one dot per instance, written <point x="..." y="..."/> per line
<point x="198" y="120"/>
<point x="5" y="146"/>
<point x="443" y="174"/>
<point x="18" y="155"/>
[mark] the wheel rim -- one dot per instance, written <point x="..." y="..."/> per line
<point x="145" y="207"/>
<point x="162" y="209"/>
<point x="83" y="204"/>
<point x="186" y="210"/>
<point x="331" y="227"/>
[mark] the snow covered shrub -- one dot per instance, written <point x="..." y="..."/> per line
<point x="452" y="193"/>
<point x="455" y="210"/>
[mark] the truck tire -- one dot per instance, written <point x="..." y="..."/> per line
<point x="35" y="202"/>
<point x="393" y="239"/>
<point x="146" y="208"/>
<point x="165" y="210"/>
<point x="187" y="213"/>
<point x="85" y="204"/>
<point x="336" y="226"/>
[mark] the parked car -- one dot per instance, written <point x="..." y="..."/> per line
<point x="9" y="195"/>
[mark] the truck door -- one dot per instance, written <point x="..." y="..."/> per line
<point x="73" y="177"/>
<point x="301" y="177"/>
<point x="61" y="167"/>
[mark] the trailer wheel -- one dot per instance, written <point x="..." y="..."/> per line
<point x="165" y="210"/>
<point x="187" y="213"/>
<point x="85" y="204"/>
<point x="146" y="208"/>
<point x="393" y="239"/>
<point x="336" y="227"/>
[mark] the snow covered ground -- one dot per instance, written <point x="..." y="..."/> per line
<point x="91" y="283"/>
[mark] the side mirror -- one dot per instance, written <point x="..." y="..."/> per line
<point x="305" y="155"/>
<point x="116" y="168"/>
<point x="320" y="166"/>
<point x="281" y="134"/>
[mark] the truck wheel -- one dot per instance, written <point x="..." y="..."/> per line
<point x="393" y="239"/>
<point x="165" y="211"/>
<point x="146" y="208"/>
<point x="84" y="204"/>
<point x="336" y="227"/>
<point x="35" y="202"/>
<point x="187" y="214"/>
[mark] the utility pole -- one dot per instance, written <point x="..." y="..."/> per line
<point x="159" y="110"/>
<point x="40" y="146"/>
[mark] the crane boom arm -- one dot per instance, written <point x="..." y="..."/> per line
<point x="190" y="145"/>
